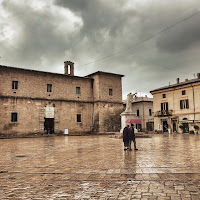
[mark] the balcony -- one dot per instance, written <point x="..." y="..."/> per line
<point x="163" y="113"/>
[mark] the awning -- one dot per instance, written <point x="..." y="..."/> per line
<point x="189" y="121"/>
<point x="134" y="121"/>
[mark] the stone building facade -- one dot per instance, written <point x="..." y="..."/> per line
<point x="177" y="104"/>
<point x="36" y="102"/>
<point x="143" y="109"/>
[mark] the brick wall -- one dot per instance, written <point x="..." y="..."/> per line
<point x="105" y="81"/>
<point x="34" y="84"/>
<point x="100" y="112"/>
<point x="31" y="116"/>
<point x="107" y="107"/>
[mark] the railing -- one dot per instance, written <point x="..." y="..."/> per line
<point x="162" y="113"/>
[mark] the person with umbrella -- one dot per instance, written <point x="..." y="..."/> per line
<point x="132" y="137"/>
<point x="132" y="132"/>
<point x="126" y="137"/>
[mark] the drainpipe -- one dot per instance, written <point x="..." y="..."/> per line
<point x="92" y="128"/>
<point x="193" y="100"/>
<point x="144" y="117"/>
<point x="177" y="122"/>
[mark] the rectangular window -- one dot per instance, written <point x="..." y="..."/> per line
<point x="15" y="85"/>
<point x="184" y="104"/>
<point x="49" y="87"/>
<point x="78" y="90"/>
<point x="183" y="92"/>
<point x="138" y="112"/>
<point x="150" y="112"/>
<point x="110" y="92"/>
<point x="78" y="118"/>
<point x="13" y="117"/>
<point x="164" y="106"/>
<point x="164" y="96"/>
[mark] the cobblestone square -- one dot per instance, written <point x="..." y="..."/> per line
<point x="167" y="166"/>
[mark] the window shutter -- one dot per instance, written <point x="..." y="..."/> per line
<point x="161" y="106"/>
<point x="166" y="105"/>
<point x="181" y="105"/>
<point x="187" y="103"/>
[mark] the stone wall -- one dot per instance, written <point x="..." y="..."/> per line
<point x="34" y="84"/>
<point x="105" y="81"/>
<point x="107" y="108"/>
<point x="31" y="116"/>
<point x="100" y="112"/>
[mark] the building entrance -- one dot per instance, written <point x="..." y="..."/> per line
<point x="174" y="127"/>
<point x="174" y="123"/>
<point x="165" y="126"/>
<point x="185" y="128"/>
<point x="150" y="126"/>
<point x="139" y="127"/>
<point x="49" y="125"/>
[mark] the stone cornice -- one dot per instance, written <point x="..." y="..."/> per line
<point x="62" y="100"/>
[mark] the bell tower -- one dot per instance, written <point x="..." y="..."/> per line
<point x="69" y="68"/>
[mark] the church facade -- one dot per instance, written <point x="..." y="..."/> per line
<point x="38" y="102"/>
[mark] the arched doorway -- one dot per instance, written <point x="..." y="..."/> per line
<point x="165" y="125"/>
<point x="185" y="125"/>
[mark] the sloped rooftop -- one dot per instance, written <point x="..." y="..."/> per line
<point x="186" y="82"/>
<point x="140" y="99"/>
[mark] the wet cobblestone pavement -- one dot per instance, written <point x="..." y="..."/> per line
<point x="96" y="167"/>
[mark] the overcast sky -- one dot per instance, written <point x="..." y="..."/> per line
<point x="120" y="36"/>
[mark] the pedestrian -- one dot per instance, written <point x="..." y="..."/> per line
<point x="126" y="137"/>
<point x="132" y="137"/>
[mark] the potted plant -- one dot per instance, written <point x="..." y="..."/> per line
<point x="181" y="127"/>
<point x="196" y="128"/>
<point x="191" y="132"/>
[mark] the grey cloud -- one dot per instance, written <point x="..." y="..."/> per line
<point x="76" y="6"/>
<point x="181" y="37"/>
<point x="44" y="38"/>
<point x="100" y="16"/>
<point x="39" y="36"/>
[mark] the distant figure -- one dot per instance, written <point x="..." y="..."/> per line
<point x="132" y="137"/>
<point x="126" y="137"/>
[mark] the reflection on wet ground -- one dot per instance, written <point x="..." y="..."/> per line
<point x="96" y="167"/>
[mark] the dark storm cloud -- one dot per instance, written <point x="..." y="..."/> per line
<point x="101" y="17"/>
<point x="102" y="35"/>
<point x="182" y="37"/>
<point x="77" y="6"/>
<point x="37" y="37"/>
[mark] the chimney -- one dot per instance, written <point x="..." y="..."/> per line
<point x="198" y="75"/>
<point x="177" y="80"/>
<point x="186" y="79"/>
<point x="69" y="68"/>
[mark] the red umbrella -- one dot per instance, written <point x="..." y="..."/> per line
<point x="134" y="121"/>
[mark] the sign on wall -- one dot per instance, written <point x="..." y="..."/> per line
<point x="66" y="131"/>
<point x="49" y="112"/>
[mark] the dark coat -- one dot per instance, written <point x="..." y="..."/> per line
<point x="125" y="135"/>
<point x="131" y="134"/>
